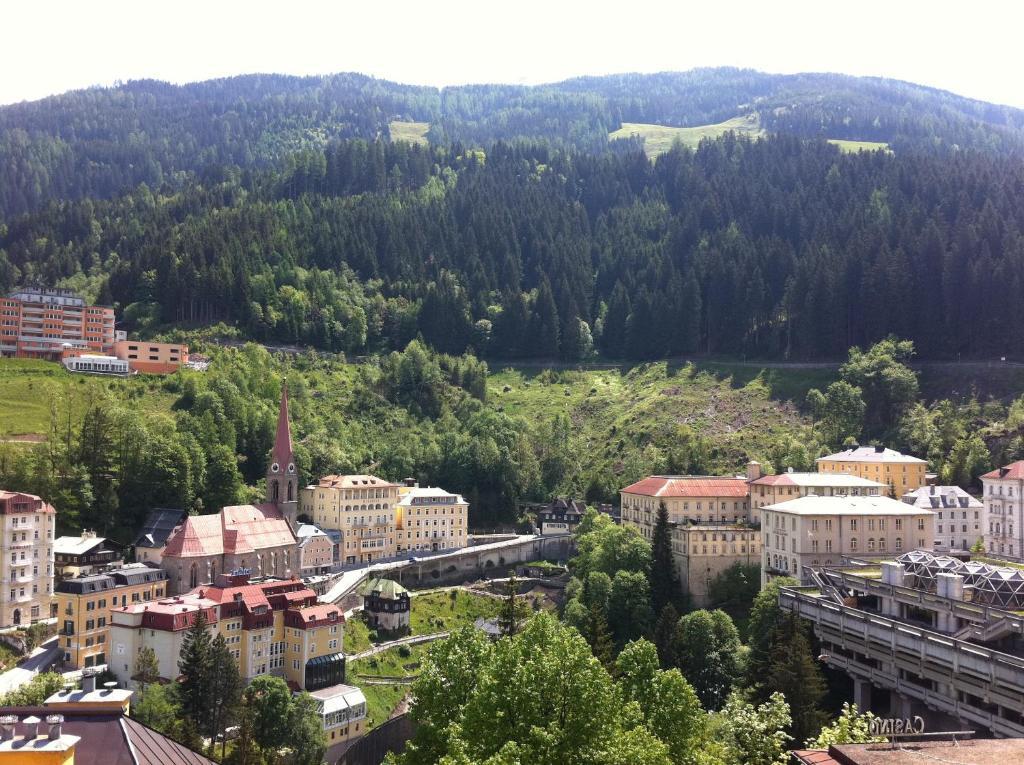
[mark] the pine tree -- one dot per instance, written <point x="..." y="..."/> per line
<point x="793" y="672"/>
<point x="195" y="665"/>
<point x="513" y="610"/>
<point x="600" y="638"/>
<point x="225" y="688"/>
<point x="146" y="669"/>
<point x="665" y="635"/>
<point x="665" y="587"/>
<point x="544" y="324"/>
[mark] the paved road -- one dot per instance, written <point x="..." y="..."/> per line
<point x="41" y="659"/>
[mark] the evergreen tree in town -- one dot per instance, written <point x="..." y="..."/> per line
<point x="225" y="688"/>
<point x="600" y="637"/>
<point x="794" y="672"/>
<point x="513" y="609"/>
<point x="665" y="586"/>
<point x="195" y="665"/>
<point x="665" y="635"/>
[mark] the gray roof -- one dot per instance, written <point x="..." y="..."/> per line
<point x="870" y="454"/>
<point x="940" y="497"/>
<point x="158" y="526"/>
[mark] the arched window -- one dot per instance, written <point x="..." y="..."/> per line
<point x="853" y="543"/>
<point x="291" y="492"/>
<point x="275" y="491"/>
<point x="192" y="576"/>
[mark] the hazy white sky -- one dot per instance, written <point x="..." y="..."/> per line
<point x="971" y="48"/>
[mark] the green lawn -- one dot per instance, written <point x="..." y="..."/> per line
<point x="659" y="138"/>
<point x="413" y="132"/>
<point x="381" y="700"/>
<point x="440" y="612"/>
<point x="855" y="146"/>
<point x="432" y="612"/>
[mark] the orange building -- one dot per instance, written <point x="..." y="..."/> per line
<point x="151" y="358"/>
<point x="40" y="324"/>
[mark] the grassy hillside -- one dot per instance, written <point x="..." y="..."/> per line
<point x="413" y="132"/>
<point x="28" y="388"/>
<point x="659" y="138"/>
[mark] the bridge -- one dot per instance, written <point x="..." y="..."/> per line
<point x="462" y="564"/>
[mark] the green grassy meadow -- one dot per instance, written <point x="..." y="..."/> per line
<point x="853" y="147"/>
<point x="659" y="138"/>
<point x="413" y="132"/>
<point x="30" y="388"/>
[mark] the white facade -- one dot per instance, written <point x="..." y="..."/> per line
<point x="959" y="517"/>
<point x="1003" y="491"/>
<point x="100" y="365"/>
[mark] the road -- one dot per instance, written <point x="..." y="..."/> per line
<point x="41" y="659"/>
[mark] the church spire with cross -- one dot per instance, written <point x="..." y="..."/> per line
<point x="282" y="476"/>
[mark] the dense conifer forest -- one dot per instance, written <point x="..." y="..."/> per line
<point x="279" y="205"/>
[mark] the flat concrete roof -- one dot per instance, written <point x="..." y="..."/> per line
<point x="986" y="751"/>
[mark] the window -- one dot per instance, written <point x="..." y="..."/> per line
<point x="853" y="543"/>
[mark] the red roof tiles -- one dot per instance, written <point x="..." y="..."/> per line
<point x="1013" y="472"/>
<point x="686" y="486"/>
<point x="234" y="530"/>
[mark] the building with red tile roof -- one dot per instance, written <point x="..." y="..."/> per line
<point x="272" y="627"/>
<point x="710" y="519"/>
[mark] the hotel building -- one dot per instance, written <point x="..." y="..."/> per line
<point x="26" y="557"/>
<point x="958" y="515"/>
<point x="361" y="507"/>
<point x="1003" y="494"/>
<point x="710" y="519"/>
<point x="820" y="531"/>
<point x="899" y="472"/>
<point x="84" y="604"/>
<point x="428" y="518"/>
<point x="40" y="323"/>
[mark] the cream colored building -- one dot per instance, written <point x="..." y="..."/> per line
<point x="689" y="499"/>
<point x="703" y="552"/>
<point x="958" y="515"/>
<point x="901" y="473"/>
<point x="821" y="531"/>
<point x="772" y="489"/>
<point x="428" y="518"/>
<point x="361" y="507"/>
<point x="710" y="517"/>
<point x="26" y="557"/>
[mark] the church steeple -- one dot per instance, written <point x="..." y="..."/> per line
<point x="282" y="476"/>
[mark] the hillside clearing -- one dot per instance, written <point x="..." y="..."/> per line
<point x="852" y="147"/>
<point x="413" y="132"/>
<point x="659" y="138"/>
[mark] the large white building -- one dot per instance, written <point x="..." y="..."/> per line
<point x="958" y="515"/>
<point x="26" y="558"/>
<point x="821" y="531"/>
<point x="1003" y="490"/>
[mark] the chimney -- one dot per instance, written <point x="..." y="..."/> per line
<point x="7" y="723"/>
<point x="55" y="722"/>
<point x="933" y="488"/>
<point x="879" y="448"/>
<point x="88" y="681"/>
<point x="31" y="724"/>
<point x="753" y="470"/>
<point x="411" y="483"/>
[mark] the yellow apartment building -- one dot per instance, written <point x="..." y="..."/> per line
<point x="84" y="605"/>
<point x="428" y="518"/>
<point x="361" y="507"/>
<point x="900" y="473"/>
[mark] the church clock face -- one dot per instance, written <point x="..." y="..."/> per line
<point x="275" y="468"/>
<point x="291" y="468"/>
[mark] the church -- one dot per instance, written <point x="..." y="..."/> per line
<point x="259" y="538"/>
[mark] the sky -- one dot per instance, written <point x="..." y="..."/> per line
<point x="48" y="47"/>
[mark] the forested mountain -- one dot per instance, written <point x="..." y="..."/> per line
<point x="101" y="142"/>
<point x="779" y="247"/>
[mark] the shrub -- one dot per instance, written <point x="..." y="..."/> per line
<point x="404" y="651"/>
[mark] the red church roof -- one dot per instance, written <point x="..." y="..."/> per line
<point x="234" y="530"/>
<point x="282" y="452"/>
